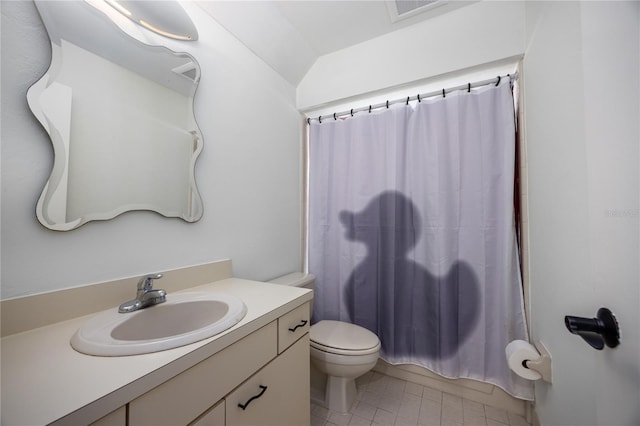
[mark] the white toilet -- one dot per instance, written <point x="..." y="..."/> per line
<point x="341" y="350"/>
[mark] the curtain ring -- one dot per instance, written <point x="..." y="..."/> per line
<point x="419" y="100"/>
<point x="387" y="104"/>
<point x="352" y="112"/>
<point x="468" y="87"/>
<point x="308" y="121"/>
<point x="334" y="116"/>
<point x="320" y="119"/>
<point x="408" y="100"/>
<point x="369" y="109"/>
<point x="498" y="82"/>
<point x="443" y="94"/>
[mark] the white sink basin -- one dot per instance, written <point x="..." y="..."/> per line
<point x="184" y="318"/>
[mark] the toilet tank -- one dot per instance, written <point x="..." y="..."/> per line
<point x="296" y="279"/>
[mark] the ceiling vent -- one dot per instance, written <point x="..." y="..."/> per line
<point x="403" y="9"/>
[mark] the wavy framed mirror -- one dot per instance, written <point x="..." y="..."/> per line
<point x="120" y="116"/>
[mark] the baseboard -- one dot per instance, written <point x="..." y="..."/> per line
<point x="473" y="390"/>
<point x="535" y="420"/>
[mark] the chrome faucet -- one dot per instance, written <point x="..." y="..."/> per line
<point x="146" y="295"/>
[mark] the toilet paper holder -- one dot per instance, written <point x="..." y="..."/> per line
<point x="543" y="364"/>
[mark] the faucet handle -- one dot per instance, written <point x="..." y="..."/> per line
<point x="146" y="282"/>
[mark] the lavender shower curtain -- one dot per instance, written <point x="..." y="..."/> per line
<point x="411" y="232"/>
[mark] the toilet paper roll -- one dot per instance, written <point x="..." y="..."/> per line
<point x="517" y="353"/>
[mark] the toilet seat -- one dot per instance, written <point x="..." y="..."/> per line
<point x="343" y="338"/>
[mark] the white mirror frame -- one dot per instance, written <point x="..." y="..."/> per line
<point x="122" y="145"/>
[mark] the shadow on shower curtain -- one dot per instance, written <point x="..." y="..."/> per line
<point x="411" y="232"/>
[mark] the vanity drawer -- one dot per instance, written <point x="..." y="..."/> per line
<point x="292" y="326"/>
<point x="277" y="395"/>
<point x="183" y="398"/>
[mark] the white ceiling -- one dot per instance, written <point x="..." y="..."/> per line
<point x="291" y="35"/>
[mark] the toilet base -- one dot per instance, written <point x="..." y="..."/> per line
<point x="340" y="393"/>
<point x="334" y="393"/>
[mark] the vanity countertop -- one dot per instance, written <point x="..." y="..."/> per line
<point x="45" y="380"/>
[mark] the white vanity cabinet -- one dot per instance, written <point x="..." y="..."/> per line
<point x="199" y="384"/>
<point x="267" y="372"/>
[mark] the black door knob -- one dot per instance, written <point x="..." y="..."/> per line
<point x="596" y="331"/>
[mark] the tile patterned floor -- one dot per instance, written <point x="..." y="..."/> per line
<point x="387" y="401"/>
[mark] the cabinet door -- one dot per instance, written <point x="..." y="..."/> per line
<point x="115" y="418"/>
<point x="277" y="395"/>
<point x="213" y="417"/>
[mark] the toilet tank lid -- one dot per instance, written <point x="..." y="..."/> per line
<point x="296" y="279"/>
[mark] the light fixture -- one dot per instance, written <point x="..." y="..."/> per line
<point x="118" y="7"/>
<point x="165" y="17"/>
<point x="163" y="32"/>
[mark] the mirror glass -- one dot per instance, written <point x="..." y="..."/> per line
<point x="120" y="117"/>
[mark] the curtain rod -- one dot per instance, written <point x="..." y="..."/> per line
<point x="419" y="98"/>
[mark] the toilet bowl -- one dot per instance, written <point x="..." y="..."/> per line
<point x="340" y="350"/>
<point x="343" y="352"/>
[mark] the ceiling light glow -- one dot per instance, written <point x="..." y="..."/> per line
<point x="119" y="7"/>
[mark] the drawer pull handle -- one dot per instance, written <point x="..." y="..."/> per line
<point x="246" y="404"/>
<point x="302" y="324"/>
